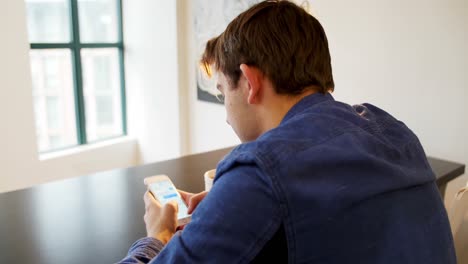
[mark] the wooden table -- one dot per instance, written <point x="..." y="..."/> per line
<point x="95" y="218"/>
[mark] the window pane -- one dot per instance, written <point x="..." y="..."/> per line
<point x="48" y="21"/>
<point x="54" y="102"/>
<point x="101" y="88"/>
<point x="98" y="20"/>
<point x="52" y="105"/>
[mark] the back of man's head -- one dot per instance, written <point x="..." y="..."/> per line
<point x="282" y="40"/>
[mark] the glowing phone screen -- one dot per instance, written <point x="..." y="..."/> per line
<point x="164" y="191"/>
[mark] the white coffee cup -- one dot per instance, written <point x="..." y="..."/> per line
<point x="209" y="177"/>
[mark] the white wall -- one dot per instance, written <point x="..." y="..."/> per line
<point x="152" y="82"/>
<point x="207" y="125"/>
<point x="407" y="57"/>
<point x="19" y="160"/>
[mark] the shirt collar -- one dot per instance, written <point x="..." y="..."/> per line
<point x="307" y="102"/>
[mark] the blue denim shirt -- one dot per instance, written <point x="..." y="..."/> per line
<point x="349" y="184"/>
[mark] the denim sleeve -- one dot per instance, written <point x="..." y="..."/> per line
<point x="232" y="224"/>
<point x="143" y="251"/>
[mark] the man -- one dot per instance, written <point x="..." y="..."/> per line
<point x="315" y="180"/>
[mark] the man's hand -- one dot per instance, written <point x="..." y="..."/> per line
<point x="192" y="199"/>
<point x="161" y="221"/>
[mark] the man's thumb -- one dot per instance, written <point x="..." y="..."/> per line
<point x="172" y="205"/>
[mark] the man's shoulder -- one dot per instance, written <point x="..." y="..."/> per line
<point x="328" y="132"/>
<point x="323" y="122"/>
<point x="245" y="153"/>
<point x="318" y="126"/>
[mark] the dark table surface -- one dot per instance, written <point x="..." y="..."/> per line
<point x="96" y="218"/>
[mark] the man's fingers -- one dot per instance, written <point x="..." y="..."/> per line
<point x="192" y="204"/>
<point x="170" y="209"/>
<point x="195" y="200"/>
<point x="172" y="206"/>
<point x="185" y="195"/>
<point x="149" y="199"/>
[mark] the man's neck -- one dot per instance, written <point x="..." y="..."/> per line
<point x="276" y="109"/>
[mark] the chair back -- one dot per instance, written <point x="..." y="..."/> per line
<point x="458" y="216"/>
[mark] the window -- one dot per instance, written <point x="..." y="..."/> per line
<point x="77" y="71"/>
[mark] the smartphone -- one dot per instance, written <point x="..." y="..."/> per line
<point x="164" y="191"/>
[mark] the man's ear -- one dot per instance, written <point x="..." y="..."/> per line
<point x="254" y="79"/>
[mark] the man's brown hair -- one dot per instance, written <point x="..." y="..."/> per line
<point x="282" y="40"/>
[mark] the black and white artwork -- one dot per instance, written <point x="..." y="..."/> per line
<point x="211" y="19"/>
